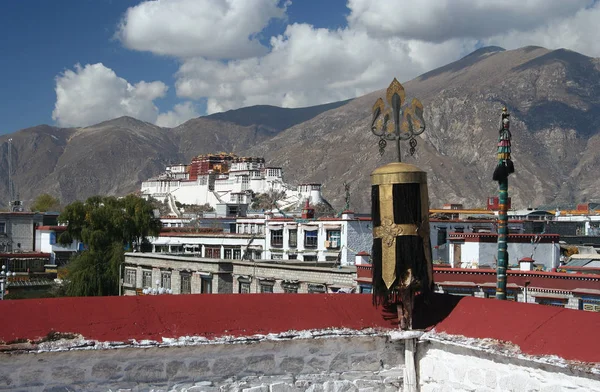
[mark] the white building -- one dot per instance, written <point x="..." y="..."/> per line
<point x="46" y="241"/>
<point x="473" y="250"/>
<point x="327" y="239"/>
<point x="318" y="240"/>
<point x="225" y="178"/>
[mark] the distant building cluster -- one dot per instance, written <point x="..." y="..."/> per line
<point x="235" y="248"/>
<point x="226" y="179"/>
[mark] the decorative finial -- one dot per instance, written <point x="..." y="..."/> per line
<point x="397" y="123"/>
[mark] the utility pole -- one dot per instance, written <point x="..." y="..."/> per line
<point x="10" y="186"/>
<point x="504" y="168"/>
<point x="14" y="204"/>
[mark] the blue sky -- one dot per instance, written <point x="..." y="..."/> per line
<point x="306" y="52"/>
<point x="42" y="38"/>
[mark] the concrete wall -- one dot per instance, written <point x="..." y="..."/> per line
<point x="449" y="367"/>
<point x="479" y="253"/>
<point x="358" y="363"/>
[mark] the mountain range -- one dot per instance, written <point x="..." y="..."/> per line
<point x="553" y="98"/>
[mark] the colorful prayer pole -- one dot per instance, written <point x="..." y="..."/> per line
<point x="504" y="168"/>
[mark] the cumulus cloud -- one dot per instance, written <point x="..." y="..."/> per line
<point x="308" y="66"/>
<point x="94" y="93"/>
<point x="223" y="62"/>
<point x="440" y="20"/>
<point x="180" y="114"/>
<point x="215" y="29"/>
<point x="578" y="32"/>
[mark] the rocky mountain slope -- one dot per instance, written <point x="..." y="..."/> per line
<point x="553" y="97"/>
<point x="115" y="156"/>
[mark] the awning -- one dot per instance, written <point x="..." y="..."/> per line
<point x="310" y="228"/>
<point x="339" y="227"/>
<point x="275" y="227"/>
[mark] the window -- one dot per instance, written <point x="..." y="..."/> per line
<point x="292" y="256"/>
<point x="334" y="238"/>
<point x="266" y="287"/>
<point x="146" y="278"/>
<point x="365" y="289"/>
<point x="244" y="287"/>
<point x="228" y="253"/>
<point x="316" y="288"/>
<point x="244" y="284"/>
<point x="441" y="236"/>
<point x="2" y="227"/>
<point x="165" y="280"/>
<point x="257" y="254"/>
<point x="186" y="283"/>
<point x="277" y="238"/>
<point x="277" y="256"/>
<point x="206" y="285"/>
<point x="289" y="286"/>
<point x="310" y="257"/>
<point x="237" y="254"/>
<point x="293" y="241"/>
<point x="310" y="239"/>
<point x="130" y="276"/>
<point x="212" y="252"/>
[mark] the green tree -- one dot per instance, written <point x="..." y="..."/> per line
<point x="107" y="226"/>
<point x="45" y="202"/>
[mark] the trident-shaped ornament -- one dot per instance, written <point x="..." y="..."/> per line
<point x="397" y="123"/>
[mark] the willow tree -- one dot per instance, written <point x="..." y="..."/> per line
<point x="107" y="226"/>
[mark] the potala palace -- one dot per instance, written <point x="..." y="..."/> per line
<point x="225" y="178"/>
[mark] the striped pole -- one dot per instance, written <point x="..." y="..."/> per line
<point x="502" y="239"/>
<point x="503" y="170"/>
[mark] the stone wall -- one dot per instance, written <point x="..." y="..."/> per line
<point x="356" y="363"/>
<point x="306" y="361"/>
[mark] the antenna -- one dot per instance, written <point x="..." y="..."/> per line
<point x="10" y="185"/>
<point x="14" y="205"/>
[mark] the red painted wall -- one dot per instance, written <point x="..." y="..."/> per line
<point x="537" y="329"/>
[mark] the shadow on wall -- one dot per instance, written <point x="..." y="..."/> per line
<point x="427" y="311"/>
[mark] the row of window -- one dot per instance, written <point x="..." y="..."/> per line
<point x="185" y="279"/>
<point x="266" y="286"/>
<point x="250" y="228"/>
<point x="311" y="238"/>
<point x="211" y="252"/>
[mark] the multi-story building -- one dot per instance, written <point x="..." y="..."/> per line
<point x="265" y="236"/>
<point x="17" y="230"/>
<point x="220" y="179"/>
<point x="201" y="275"/>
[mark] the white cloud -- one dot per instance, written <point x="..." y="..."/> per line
<point x="441" y="20"/>
<point x="216" y="29"/>
<point x="223" y="62"/>
<point x="180" y="114"/>
<point x="578" y="32"/>
<point x="94" y="93"/>
<point x="308" y="66"/>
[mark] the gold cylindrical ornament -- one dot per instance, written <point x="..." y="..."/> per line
<point x="401" y="248"/>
